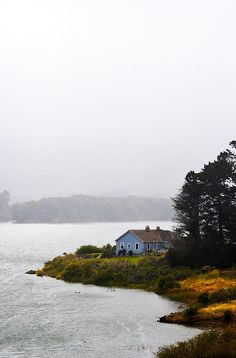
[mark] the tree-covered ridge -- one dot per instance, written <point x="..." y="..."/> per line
<point x="83" y="208"/>
<point x="206" y="214"/>
<point x="5" y="209"/>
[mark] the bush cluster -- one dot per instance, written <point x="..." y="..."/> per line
<point x="228" y="316"/>
<point x="190" y="312"/>
<point x="88" y="249"/>
<point x="168" y="281"/>
<point x="222" y="295"/>
<point x="213" y="344"/>
<point x="105" y="251"/>
<point x="123" y="271"/>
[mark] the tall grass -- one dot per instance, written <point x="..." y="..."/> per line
<point x="124" y="271"/>
<point x="214" y="344"/>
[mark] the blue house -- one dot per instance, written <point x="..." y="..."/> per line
<point x="138" y="242"/>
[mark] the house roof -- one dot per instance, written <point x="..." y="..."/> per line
<point x="158" y="235"/>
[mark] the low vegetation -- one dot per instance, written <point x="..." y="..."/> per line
<point x="91" y="251"/>
<point x="209" y="296"/>
<point x="88" y="249"/>
<point x="147" y="272"/>
<point x="214" y="344"/>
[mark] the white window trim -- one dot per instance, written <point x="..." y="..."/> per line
<point x="137" y="248"/>
<point x="122" y="244"/>
<point x="128" y="246"/>
<point x="148" y="246"/>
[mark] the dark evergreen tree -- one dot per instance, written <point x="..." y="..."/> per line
<point x="187" y="206"/>
<point x="218" y="196"/>
<point x="206" y="214"/>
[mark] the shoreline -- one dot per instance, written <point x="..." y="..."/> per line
<point x="123" y="272"/>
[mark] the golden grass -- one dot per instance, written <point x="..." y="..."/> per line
<point x="210" y="282"/>
<point x="218" y="309"/>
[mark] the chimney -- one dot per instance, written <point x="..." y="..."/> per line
<point x="147" y="228"/>
<point x="158" y="228"/>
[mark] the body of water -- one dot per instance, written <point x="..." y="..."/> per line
<point x="46" y="318"/>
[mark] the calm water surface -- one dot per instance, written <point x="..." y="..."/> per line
<point x="43" y="317"/>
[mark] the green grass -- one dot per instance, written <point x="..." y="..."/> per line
<point x="122" y="271"/>
<point x="146" y="272"/>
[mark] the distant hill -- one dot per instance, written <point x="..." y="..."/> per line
<point x="83" y="208"/>
<point x="5" y="209"/>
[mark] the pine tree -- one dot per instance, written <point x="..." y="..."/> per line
<point x="206" y="214"/>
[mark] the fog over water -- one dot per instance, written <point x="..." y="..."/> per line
<point x="104" y="98"/>
<point x="113" y="97"/>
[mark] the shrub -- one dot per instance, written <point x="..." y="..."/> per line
<point x="108" y="251"/>
<point x="218" y="296"/>
<point x="168" y="281"/>
<point x="39" y="273"/>
<point x="203" y="298"/>
<point x="88" y="249"/>
<point x="182" y="273"/>
<point x="191" y="312"/>
<point x="122" y="252"/>
<point x="228" y="316"/>
<point x="223" y="295"/>
<point x="130" y="253"/>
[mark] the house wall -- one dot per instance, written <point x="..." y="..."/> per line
<point x="131" y="239"/>
<point x="157" y="246"/>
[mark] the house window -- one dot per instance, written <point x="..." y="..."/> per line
<point x="129" y="246"/>
<point x="122" y="245"/>
<point x="148" y="246"/>
<point x="136" y="246"/>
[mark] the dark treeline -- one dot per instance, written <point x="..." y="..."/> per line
<point x="83" y="208"/>
<point x="206" y="214"/>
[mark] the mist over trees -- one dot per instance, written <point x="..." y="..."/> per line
<point x="83" y="208"/>
<point x="206" y="214"/>
<point x="5" y="209"/>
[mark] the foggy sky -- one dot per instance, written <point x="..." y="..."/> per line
<point x="113" y="97"/>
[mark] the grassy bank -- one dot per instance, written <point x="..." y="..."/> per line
<point x="149" y="272"/>
<point x="210" y="297"/>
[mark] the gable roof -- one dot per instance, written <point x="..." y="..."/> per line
<point x="157" y="235"/>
